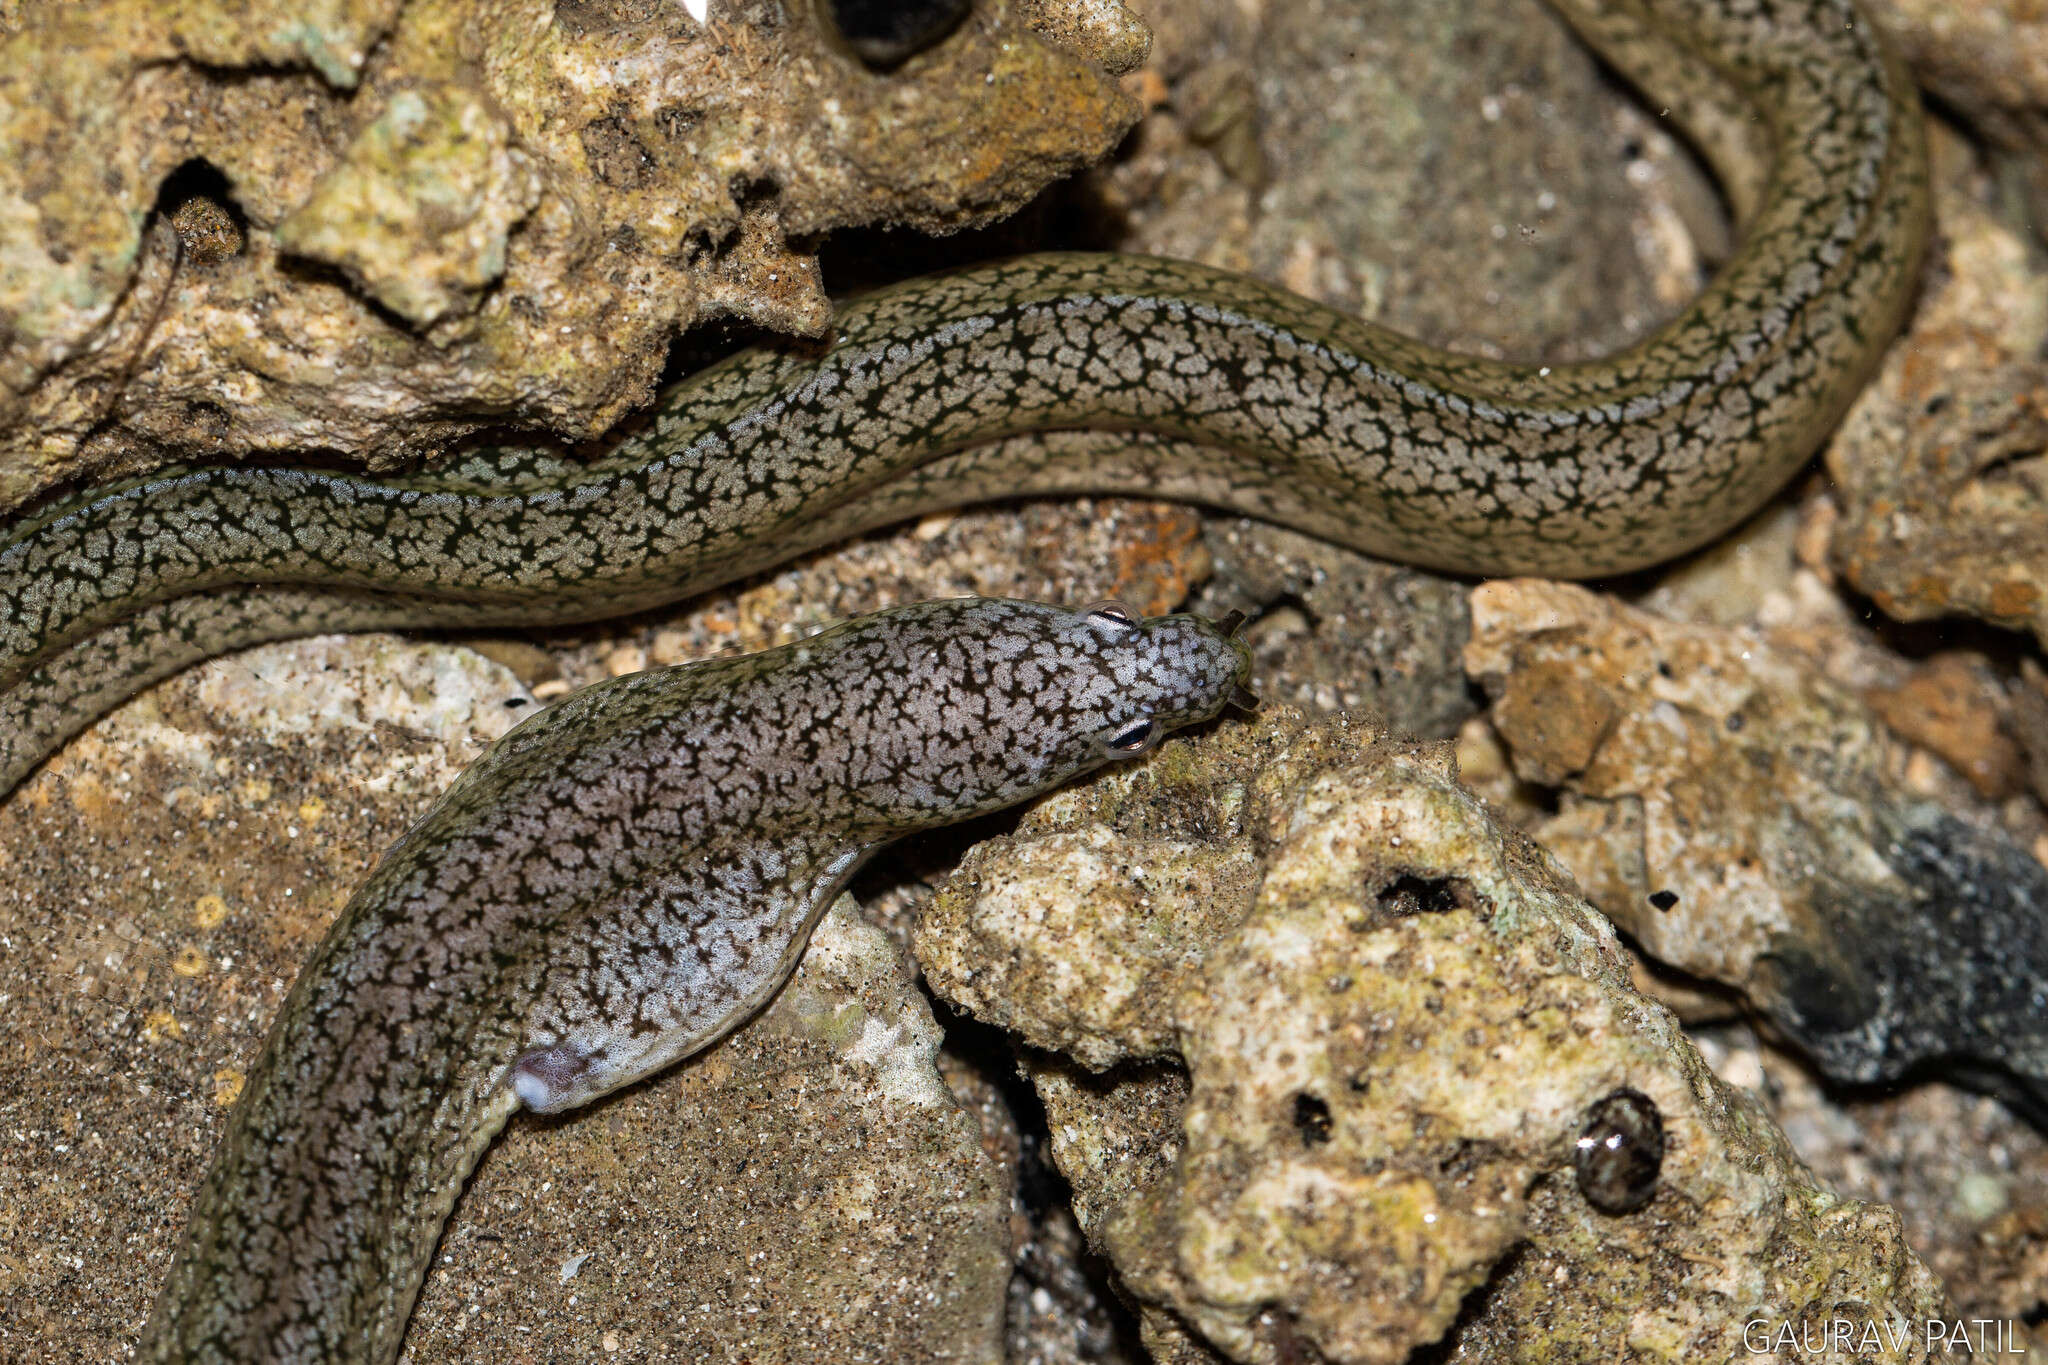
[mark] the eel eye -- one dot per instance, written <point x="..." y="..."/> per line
<point x="1116" y="613"/>
<point x="1132" y="739"/>
<point x="886" y="33"/>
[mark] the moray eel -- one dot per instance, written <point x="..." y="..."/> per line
<point x="580" y="908"/>
<point x="615" y="884"/>
<point x="1137" y="375"/>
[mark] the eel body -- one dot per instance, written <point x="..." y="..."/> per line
<point x="1078" y="373"/>
<point x="615" y="884"/>
<point x="625" y="876"/>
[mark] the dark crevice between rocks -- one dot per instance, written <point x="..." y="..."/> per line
<point x="1472" y="1311"/>
<point x="309" y="273"/>
<point x="1711" y="1002"/>
<point x="197" y="224"/>
<point x="929" y="857"/>
<point x="2000" y="647"/>
<point x="1085" y="1287"/>
<point x="884" y="34"/>
<point x="1068" y="215"/>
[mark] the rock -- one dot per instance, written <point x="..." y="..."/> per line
<point x="1449" y="169"/>
<point x="501" y="219"/>
<point x="1335" y="631"/>
<point x="420" y="206"/>
<point x="1954" y="706"/>
<point x="2029" y="697"/>
<point x="1941" y="485"/>
<point x="811" y="1182"/>
<point x="1967" y="1175"/>
<point x="1396" y="1020"/>
<point x="1987" y="61"/>
<point x="1951" y="516"/>
<point x="1746" y="821"/>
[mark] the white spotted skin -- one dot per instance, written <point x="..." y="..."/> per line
<point x="618" y="882"/>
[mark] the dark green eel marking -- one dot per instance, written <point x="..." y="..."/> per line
<point x="559" y="893"/>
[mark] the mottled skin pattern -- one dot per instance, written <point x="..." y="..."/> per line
<point x="626" y="876"/>
<point x="1249" y="398"/>
<point x="614" y="885"/>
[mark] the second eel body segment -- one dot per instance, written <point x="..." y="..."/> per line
<point x="1050" y="373"/>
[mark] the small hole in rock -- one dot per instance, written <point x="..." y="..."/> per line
<point x="1311" y="1119"/>
<point x="886" y="33"/>
<point x="197" y="202"/>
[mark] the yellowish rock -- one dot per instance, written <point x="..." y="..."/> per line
<point x="1394" y="1017"/>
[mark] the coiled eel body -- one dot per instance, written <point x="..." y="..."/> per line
<point x="616" y="883"/>
<point x="1239" y="395"/>
<point x="548" y="914"/>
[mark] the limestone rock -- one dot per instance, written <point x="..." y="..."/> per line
<point x="1940" y="481"/>
<point x="1395" y="1018"/>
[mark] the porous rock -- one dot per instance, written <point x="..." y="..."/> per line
<point x="1987" y="62"/>
<point x="1333" y="630"/>
<point x="1457" y="170"/>
<point x="1967" y="1175"/>
<point x="1746" y="820"/>
<point x="1358" y="1028"/>
<point x="1940" y="498"/>
<point x="453" y="214"/>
